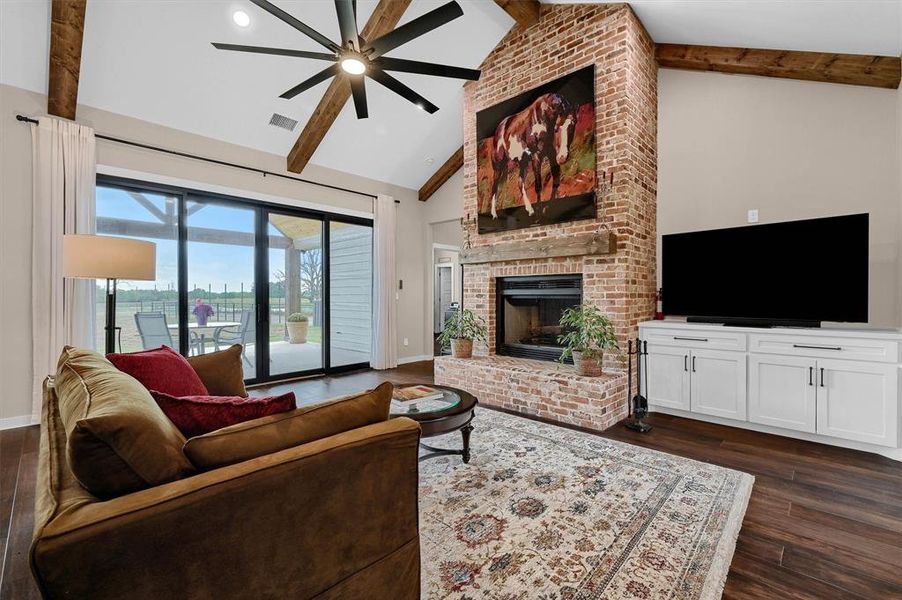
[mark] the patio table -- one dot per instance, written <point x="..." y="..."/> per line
<point x="212" y="328"/>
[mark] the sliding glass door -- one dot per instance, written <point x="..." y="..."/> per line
<point x="292" y="286"/>
<point x="220" y="251"/>
<point x="147" y="312"/>
<point x="296" y="291"/>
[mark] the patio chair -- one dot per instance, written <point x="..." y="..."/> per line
<point x="154" y="331"/>
<point x="244" y="334"/>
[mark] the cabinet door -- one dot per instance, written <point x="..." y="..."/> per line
<point x="668" y="377"/>
<point x="858" y="401"/>
<point x="717" y="383"/>
<point x="782" y="391"/>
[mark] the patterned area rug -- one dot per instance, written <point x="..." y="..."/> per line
<point x="547" y="513"/>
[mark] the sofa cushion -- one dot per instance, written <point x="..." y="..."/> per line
<point x="221" y="372"/>
<point x="278" y="432"/>
<point x="197" y="415"/>
<point x="118" y="440"/>
<point x="162" y="369"/>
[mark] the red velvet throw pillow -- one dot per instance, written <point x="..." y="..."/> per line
<point x="197" y="415"/>
<point x="162" y="370"/>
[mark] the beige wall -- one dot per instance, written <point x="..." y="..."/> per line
<point x="792" y="150"/>
<point x="441" y="215"/>
<point x="15" y="217"/>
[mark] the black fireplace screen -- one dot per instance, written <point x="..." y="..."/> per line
<point x="529" y="311"/>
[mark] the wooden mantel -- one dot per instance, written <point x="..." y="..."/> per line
<point x="586" y="244"/>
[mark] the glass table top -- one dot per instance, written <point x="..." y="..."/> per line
<point x="449" y="399"/>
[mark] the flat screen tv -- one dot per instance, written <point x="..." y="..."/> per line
<point x="792" y="273"/>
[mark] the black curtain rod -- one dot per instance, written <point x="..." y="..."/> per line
<point x="215" y="161"/>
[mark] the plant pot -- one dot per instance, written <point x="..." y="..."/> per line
<point x="462" y="348"/>
<point x="588" y="367"/>
<point x="297" y="332"/>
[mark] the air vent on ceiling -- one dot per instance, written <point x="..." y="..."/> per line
<point x="282" y="121"/>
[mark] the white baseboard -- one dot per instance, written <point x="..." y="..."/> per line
<point x="13" y="422"/>
<point x="412" y="359"/>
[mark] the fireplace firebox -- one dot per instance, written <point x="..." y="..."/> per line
<point x="529" y="311"/>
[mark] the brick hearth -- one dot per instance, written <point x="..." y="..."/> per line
<point x="539" y="388"/>
<point x="567" y="38"/>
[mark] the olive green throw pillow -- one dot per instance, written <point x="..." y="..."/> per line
<point x="118" y="439"/>
<point x="221" y="372"/>
<point x="273" y="433"/>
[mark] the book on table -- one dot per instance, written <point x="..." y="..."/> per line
<point x="417" y="398"/>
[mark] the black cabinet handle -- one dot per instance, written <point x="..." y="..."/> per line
<point x="811" y="376"/>
<point x="693" y="364"/>
<point x="686" y="363"/>
<point x="817" y="347"/>
<point x="822" y="376"/>
<point x="690" y="339"/>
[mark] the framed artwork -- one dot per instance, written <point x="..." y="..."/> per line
<point x="535" y="161"/>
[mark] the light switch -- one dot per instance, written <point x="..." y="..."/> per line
<point x="753" y="215"/>
<point x="406" y="343"/>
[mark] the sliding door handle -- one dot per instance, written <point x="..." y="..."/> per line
<point x="811" y="376"/>
<point x="822" y="377"/>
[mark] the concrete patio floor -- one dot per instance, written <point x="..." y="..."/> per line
<point x="289" y="358"/>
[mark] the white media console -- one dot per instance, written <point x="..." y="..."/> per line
<point x="836" y="386"/>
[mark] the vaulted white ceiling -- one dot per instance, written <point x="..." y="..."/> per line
<point x="846" y="26"/>
<point x="153" y="60"/>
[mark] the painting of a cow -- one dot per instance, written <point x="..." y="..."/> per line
<point x="536" y="156"/>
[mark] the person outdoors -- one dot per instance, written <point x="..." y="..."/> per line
<point x="202" y="311"/>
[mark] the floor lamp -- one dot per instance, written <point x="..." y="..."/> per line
<point x="110" y="258"/>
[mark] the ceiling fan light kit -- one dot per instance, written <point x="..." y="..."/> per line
<point x="357" y="59"/>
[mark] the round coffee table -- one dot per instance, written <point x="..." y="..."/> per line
<point x="453" y="412"/>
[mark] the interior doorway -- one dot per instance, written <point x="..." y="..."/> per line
<point x="446" y="289"/>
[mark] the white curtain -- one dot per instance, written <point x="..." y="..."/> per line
<point x="385" y="317"/>
<point x="63" y="172"/>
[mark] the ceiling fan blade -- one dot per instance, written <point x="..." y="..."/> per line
<point x="275" y="51"/>
<point x="309" y="83"/>
<point x="305" y="29"/>
<point x="347" y="22"/>
<point x="414" y="29"/>
<point x="401" y="89"/>
<point x="358" y="91"/>
<point x="415" y="66"/>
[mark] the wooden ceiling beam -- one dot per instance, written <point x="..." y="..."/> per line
<point x="385" y="18"/>
<point x="853" y="69"/>
<point x="444" y="173"/>
<point x="524" y="12"/>
<point x="67" y="28"/>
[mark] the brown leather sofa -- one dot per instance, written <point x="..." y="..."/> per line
<point x="332" y="518"/>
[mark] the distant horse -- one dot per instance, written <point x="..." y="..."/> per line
<point x="544" y="129"/>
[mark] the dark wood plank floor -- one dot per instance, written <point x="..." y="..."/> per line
<point x="822" y="522"/>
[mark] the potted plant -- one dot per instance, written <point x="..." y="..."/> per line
<point x="461" y="328"/>
<point x="588" y="334"/>
<point x="297" y="328"/>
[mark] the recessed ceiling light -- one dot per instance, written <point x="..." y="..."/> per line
<point x="353" y="66"/>
<point x="430" y="160"/>
<point x="241" y="18"/>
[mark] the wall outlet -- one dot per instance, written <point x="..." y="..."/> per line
<point x="406" y="342"/>
<point x="753" y="215"/>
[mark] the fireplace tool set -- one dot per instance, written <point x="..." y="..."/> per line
<point x="638" y="404"/>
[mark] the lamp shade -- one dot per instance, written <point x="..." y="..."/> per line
<point x="103" y="257"/>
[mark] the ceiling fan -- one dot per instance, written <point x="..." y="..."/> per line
<point x="359" y="58"/>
